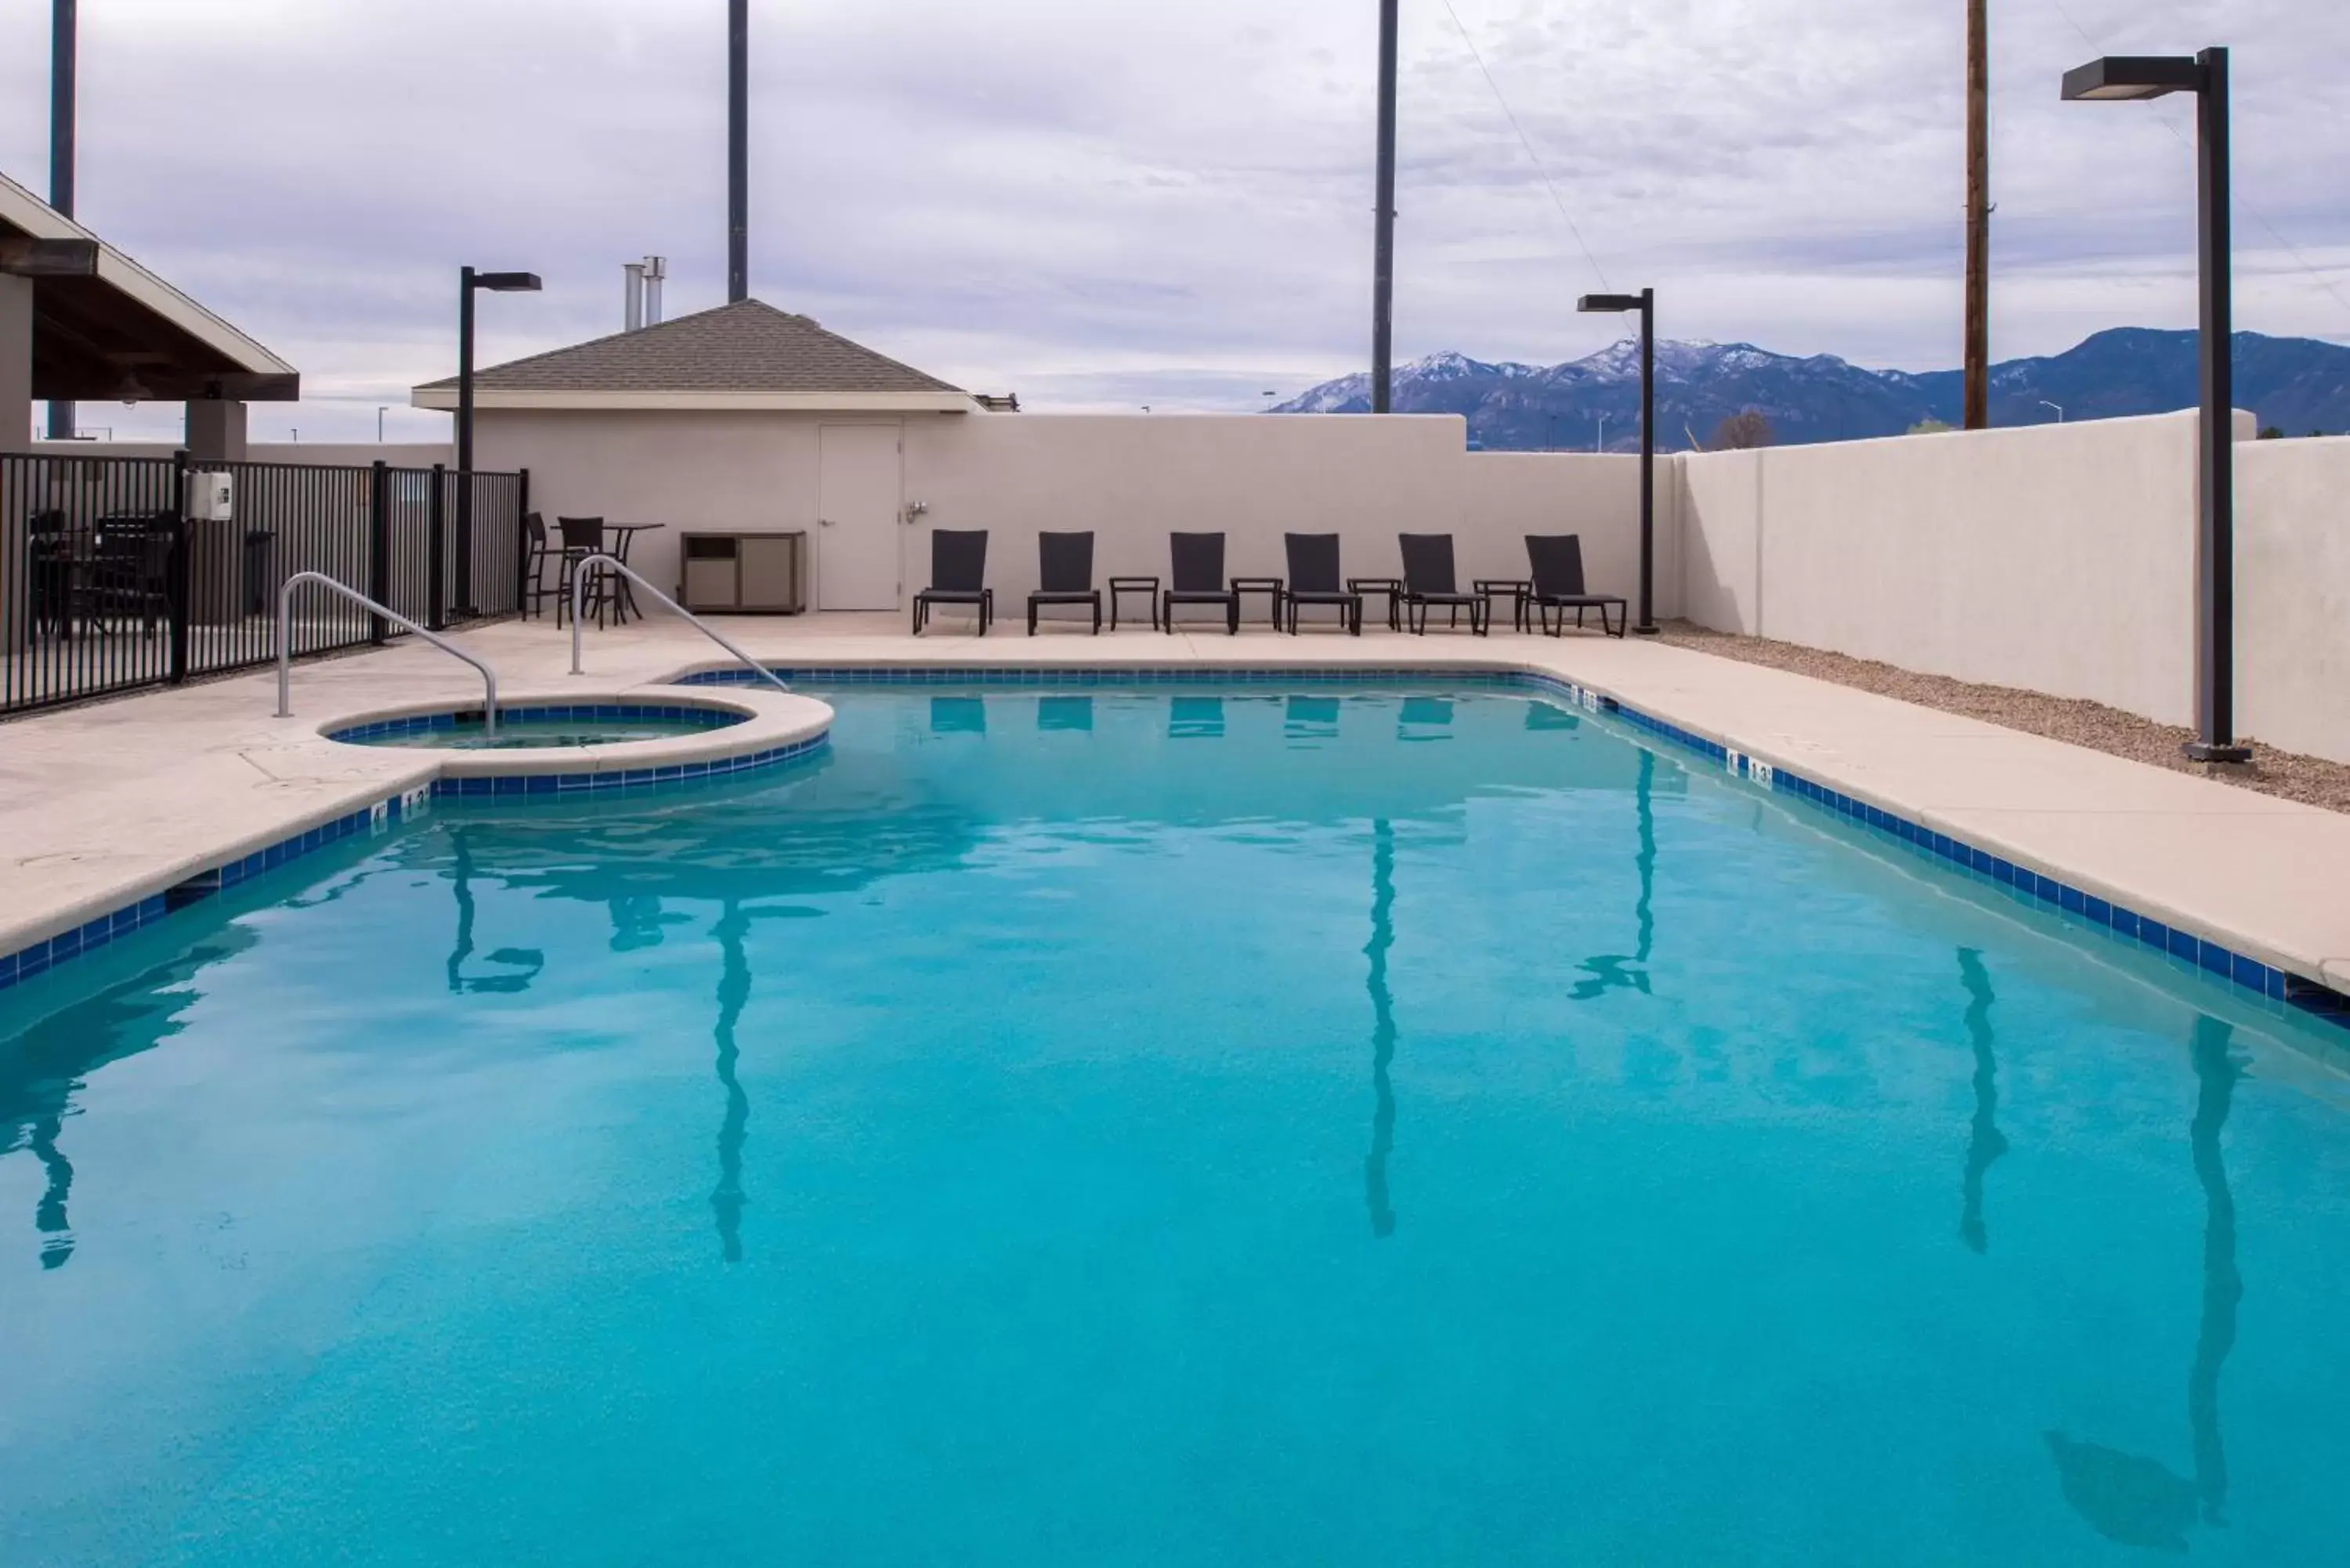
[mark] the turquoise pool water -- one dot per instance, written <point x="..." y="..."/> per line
<point x="535" y="735"/>
<point x="1190" y="1126"/>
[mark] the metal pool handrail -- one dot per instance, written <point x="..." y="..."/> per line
<point x="286" y="644"/>
<point x="587" y="569"/>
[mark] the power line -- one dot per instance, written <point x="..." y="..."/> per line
<point x="1511" y="114"/>
<point x="2259" y="217"/>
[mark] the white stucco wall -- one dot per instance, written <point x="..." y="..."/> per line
<point x="2055" y="558"/>
<point x="1719" y="504"/>
<point x="2292" y="593"/>
<point x="1131" y="479"/>
<point x="688" y="472"/>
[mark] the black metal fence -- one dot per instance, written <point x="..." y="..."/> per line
<point x="107" y="585"/>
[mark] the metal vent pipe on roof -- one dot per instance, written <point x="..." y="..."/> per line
<point x="641" y="303"/>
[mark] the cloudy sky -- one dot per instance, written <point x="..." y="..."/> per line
<point x="1104" y="203"/>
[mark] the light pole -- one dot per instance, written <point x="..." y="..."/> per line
<point x="2058" y="407"/>
<point x="469" y="282"/>
<point x="1644" y="302"/>
<point x="738" y="151"/>
<point x="1599" y="441"/>
<point x="63" y="55"/>
<point x="1383" y="222"/>
<point x="2128" y="76"/>
<point x="379" y="425"/>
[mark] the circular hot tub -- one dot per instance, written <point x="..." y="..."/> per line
<point x="646" y="738"/>
<point x="538" y="726"/>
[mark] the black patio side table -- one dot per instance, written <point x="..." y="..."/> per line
<point x="1147" y="586"/>
<point x="1269" y="587"/>
<point x="1392" y="588"/>
<point x="1519" y="591"/>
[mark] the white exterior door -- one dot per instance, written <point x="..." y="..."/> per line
<point x="860" y="492"/>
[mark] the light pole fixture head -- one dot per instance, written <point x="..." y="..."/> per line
<point x="2124" y="77"/>
<point x="507" y="282"/>
<point x="1597" y="304"/>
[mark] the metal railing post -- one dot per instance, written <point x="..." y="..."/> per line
<point x="436" y="551"/>
<point x="588" y="568"/>
<point x="378" y="548"/>
<point x="522" y="542"/>
<point x="176" y="596"/>
<point x="286" y="659"/>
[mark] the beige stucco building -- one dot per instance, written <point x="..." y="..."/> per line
<point x="749" y="418"/>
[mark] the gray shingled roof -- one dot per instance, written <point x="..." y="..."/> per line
<point x="747" y="347"/>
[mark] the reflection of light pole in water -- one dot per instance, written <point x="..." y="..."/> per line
<point x="2129" y="1498"/>
<point x="464" y="879"/>
<point x="2215" y="1073"/>
<point x="734" y="992"/>
<point x="1383" y="1029"/>
<point x="49" y="1214"/>
<point x="1985" y="1143"/>
<point x="1607" y="970"/>
<point x="528" y="961"/>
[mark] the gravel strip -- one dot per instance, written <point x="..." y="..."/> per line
<point x="2310" y="780"/>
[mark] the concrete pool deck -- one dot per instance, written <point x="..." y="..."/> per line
<point x="104" y="805"/>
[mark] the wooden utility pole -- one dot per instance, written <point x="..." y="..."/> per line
<point x="1977" y="355"/>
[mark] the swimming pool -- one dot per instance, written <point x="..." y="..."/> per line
<point x="1206" y="1124"/>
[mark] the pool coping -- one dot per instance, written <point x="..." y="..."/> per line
<point x="773" y="731"/>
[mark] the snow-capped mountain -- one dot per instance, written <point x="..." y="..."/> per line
<point x="2298" y="384"/>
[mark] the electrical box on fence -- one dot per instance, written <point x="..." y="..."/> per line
<point x="212" y="497"/>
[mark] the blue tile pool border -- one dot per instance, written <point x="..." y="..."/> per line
<point x="26" y="963"/>
<point x="2244" y="972"/>
<point x="506" y="786"/>
<point x="39" y="958"/>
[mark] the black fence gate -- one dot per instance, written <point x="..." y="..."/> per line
<point x="107" y="585"/>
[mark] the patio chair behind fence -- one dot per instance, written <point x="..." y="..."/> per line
<point x="105" y="587"/>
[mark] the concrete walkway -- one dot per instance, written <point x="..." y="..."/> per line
<point x="107" y="804"/>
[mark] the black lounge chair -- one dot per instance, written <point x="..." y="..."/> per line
<point x="1314" y="580"/>
<point x="1199" y="578"/>
<point x="1064" y="576"/>
<point x="1428" y="580"/>
<point x="958" y="576"/>
<point x="1557" y="562"/>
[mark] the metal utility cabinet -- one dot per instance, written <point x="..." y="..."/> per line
<point x="743" y="574"/>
